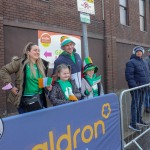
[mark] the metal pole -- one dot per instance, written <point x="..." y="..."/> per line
<point x="85" y="40"/>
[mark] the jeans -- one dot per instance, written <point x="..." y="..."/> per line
<point x="147" y="98"/>
<point x="21" y="110"/>
<point x="136" y="106"/>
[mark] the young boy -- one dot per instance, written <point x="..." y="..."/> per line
<point x="91" y="84"/>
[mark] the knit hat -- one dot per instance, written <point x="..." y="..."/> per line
<point x="65" y="40"/>
<point x="138" y="48"/>
<point x="88" y="65"/>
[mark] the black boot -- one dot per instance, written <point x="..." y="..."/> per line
<point x="147" y="110"/>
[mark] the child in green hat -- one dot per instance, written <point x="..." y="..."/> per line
<point x="91" y="84"/>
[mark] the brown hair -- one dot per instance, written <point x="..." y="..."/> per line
<point x="59" y="69"/>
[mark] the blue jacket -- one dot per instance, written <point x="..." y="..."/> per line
<point x="137" y="72"/>
<point x="75" y="67"/>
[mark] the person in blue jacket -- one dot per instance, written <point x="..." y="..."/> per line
<point x="137" y="74"/>
<point x="147" y="97"/>
<point x="71" y="58"/>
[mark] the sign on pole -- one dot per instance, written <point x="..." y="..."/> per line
<point x="86" y="6"/>
<point x="85" y="18"/>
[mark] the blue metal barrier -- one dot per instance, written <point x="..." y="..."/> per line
<point x="92" y="124"/>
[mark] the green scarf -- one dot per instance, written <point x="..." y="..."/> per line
<point x="65" y="86"/>
<point x="93" y="83"/>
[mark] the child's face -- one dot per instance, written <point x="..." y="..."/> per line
<point x="64" y="74"/>
<point x="90" y="73"/>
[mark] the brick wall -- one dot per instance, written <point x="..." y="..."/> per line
<point x="36" y="14"/>
<point x="110" y="45"/>
<point x="2" y="93"/>
<point x="115" y="33"/>
<point x="60" y="13"/>
<point x="132" y="34"/>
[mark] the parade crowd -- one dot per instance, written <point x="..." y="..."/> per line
<point x="71" y="80"/>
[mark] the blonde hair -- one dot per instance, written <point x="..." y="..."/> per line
<point x="39" y="62"/>
<point x="59" y="69"/>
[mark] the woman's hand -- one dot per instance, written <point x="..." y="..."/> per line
<point x="49" y="88"/>
<point x="14" y="90"/>
<point x="89" y="89"/>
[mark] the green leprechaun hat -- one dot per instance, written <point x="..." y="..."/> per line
<point x="88" y="65"/>
<point x="65" y="40"/>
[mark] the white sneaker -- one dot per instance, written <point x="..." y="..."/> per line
<point x="135" y="128"/>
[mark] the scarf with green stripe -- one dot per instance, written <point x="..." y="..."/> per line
<point x="93" y="83"/>
<point x="65" y="86"/>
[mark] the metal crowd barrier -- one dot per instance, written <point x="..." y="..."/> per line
<point x="129" y="136"/>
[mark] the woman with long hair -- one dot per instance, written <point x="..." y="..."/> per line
<point x="27" y="69"/>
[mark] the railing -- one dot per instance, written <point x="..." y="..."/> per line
<point x="129" y="136"/>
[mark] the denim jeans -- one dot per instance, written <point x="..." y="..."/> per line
<point x="138" y="97"/>
<point x="147" y="98"/>
<point x="21" y="110"/>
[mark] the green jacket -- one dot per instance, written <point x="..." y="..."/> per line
<point x="15" y="66"/>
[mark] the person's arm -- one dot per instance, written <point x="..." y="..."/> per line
<point x="55" y="96"/>
<point x="7" y="70"/>
<point x="129" y="74"/>
<point x="102" y="89"/>
<point x="5" y="74"/>
<point x="76" y="91"/>
<point x="84" y="90"/>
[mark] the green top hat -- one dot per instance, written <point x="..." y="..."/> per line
<point x="88" y="65"/>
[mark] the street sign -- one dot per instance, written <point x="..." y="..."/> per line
<point x="86" y="6"/>
<point x="85" y="18"/>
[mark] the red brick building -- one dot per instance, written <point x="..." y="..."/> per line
<point x="116" y="27"/>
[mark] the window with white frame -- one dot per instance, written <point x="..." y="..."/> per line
<point x="142" y="15"/>
<point x="123" y="12"/>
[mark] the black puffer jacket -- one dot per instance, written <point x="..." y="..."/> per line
<point x="137" y="72"/>
<point x="57" y="96"/>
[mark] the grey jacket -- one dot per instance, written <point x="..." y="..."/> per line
<point x="85" y="85"/>
<point x="57" y="96"/>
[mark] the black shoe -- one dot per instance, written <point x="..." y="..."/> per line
<point x="147" y="110"/>
<point x="142" y="123"/>
<point x="134" y="127"/>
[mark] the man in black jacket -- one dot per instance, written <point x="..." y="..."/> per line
<point x="71" y="58"/>
<point x="137" y="74"/>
